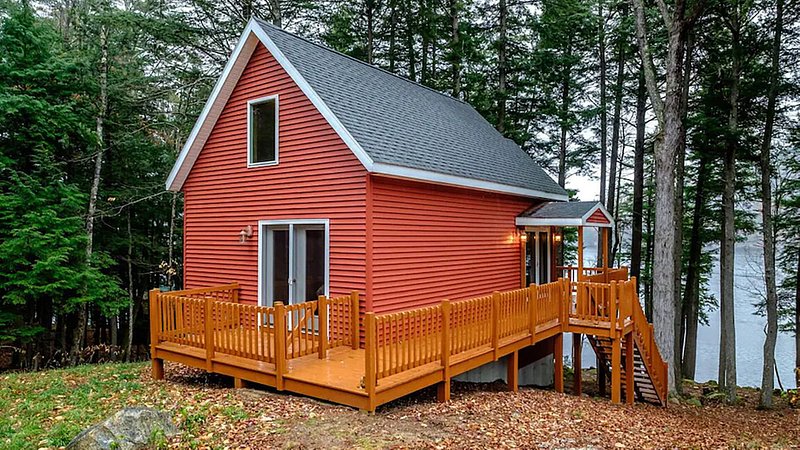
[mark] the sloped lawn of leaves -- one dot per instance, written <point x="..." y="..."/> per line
<point x="46" y="409"/>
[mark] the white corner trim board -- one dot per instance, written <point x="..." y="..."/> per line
<point x="253" y="34"/>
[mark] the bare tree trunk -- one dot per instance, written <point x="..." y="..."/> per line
<point x="691" y="301"/>
<point x="454" y="48"/>
<point x="370" y="13"/>
<point x="171" y="242"/>
<point x="393" y="36"/>
<point x="667" y="144"/>
<point x="410" y="40"/>
<point x="615" y="132"/>
<point x="767" y="230"/>
<point x="648" y="256"/>
<point x="501" y="68"/>
<point x="563" y="110"/>
<point x="601" y="51"/>
<point x="80" y="329"/>
<point x="727" y="353"/>
<point x="638" y="180"/>
<point x="679" y="182"/>
<point x="425" y="33"/>
<point x="131" y="296"/>
<point x="797" y="323"/>
<point x="275" y="12"/>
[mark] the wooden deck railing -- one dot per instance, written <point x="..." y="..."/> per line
<point x="645" y="338"/>
<point x="270" y="334"/>
<point x="445" y="337"/>
<point x="593" y="274"/>
<point x="402" y="341"/>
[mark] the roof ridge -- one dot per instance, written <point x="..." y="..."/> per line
<point x="412" y="82"/>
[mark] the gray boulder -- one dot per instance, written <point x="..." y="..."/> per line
<point x="128" y="429"/>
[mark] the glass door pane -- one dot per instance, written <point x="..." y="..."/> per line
<point x="278" y="265"/>
<point x="543" y="244"/>
<point x="314" y="260"/>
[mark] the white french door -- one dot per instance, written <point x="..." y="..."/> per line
<point x="293" y="260"/>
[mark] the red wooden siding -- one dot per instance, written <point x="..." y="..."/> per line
<point x="318" y="177"/>
<point x="597" y="217"/>
<point x="432" y="242"/>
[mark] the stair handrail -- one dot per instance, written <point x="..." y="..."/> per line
<point x="651" y="356"/>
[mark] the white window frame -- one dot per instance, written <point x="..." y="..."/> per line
<point x="263" y="276"/>
<point x="250" y="104"/>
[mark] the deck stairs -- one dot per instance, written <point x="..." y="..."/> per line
<point x="649" y="370"/>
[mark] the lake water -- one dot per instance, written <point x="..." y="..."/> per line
<point x="749" y="327"/>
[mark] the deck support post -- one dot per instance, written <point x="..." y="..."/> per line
<point x="629" y="373"/>
<point x="239" y="383"/>
<point x="558" y="355"/>
<point x="354" y="337"/>
<point x="370" y="355"/>
<point x="157" y="368"/>
<point x="443" y="389"/>
<point x="512" y="371"/>
<point x="280" y="344"/>
<point x="616" y="369"/>
<point x="155" y="322"/>
<point x="577" y="374"/>
<point x="322" y="313"/>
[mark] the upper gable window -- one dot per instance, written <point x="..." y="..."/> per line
<point x="262" y="137"/>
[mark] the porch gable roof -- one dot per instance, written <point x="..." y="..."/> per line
<point x="567" y="214"/>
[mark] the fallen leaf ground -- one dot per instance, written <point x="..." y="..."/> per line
<point x="46" y="409"/>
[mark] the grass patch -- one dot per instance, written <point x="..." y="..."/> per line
<point x="47" y="409"/>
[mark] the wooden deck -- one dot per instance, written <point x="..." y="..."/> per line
<point x="314" y="349"/>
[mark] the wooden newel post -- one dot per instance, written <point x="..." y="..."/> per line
<point x="354" y="320"/>
<point x="496" y="323"/>
<point x="443" y="391"/>
<point x="155" y="327"/>
<point x="280" y="344"/>
<point x="322" y="311"/>
<point x="612" y="308"/>
<point x="564" y="304"/>
<point x="371" y="352"/>
<point x="235" y="293"/>
<point x="208" y="341"/>
<point x="533" y="304"/>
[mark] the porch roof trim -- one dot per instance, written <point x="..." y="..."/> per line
<point x="567" y="214"/>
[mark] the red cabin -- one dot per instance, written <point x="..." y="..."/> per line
<point x="325" y="195"/>
<point x="312" y="173"/>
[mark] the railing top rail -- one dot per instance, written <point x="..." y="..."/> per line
<point x="224" y="287"/>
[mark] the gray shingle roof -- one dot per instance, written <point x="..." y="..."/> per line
<point x="402" y="123"/>
<point x="559" y="210"/>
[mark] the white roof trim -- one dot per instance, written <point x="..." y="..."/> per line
<point x="454" y="180"/>
<point x="569" y="222"/>
<point x="253" y="34"/>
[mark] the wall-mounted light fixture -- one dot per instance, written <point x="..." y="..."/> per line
<point x="523" y="236"/>
<point x="557" y="238"/>
<point x="245" y="234"/>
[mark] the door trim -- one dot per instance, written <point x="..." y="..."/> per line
<point x="262" y="233"/>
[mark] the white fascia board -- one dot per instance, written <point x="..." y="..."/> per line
<point x="533" y="222"/>
<point x="252" y="34"/>
<point x="454" y="180"/>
